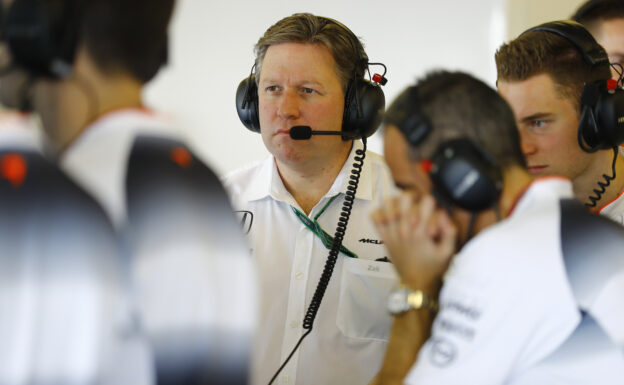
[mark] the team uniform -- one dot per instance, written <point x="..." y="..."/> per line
<point x="614" y="209"/>
<point x="509" y="313"/>
<point x="349" y="337"/>
<point x="61" y="284"/>
<point x="191" y="274"/>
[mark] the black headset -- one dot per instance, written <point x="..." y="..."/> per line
<point x="43" y="36"/>
<point x="601" y="125"/>
<point x="364" y="100"/>
<point x="463" y="174"/>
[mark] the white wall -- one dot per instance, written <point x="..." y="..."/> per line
<point x="212" y="51"/>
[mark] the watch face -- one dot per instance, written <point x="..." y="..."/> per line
<point x="397" y="302"/>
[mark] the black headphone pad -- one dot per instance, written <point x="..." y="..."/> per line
<point x="600" y="126"/>
<point x="364" y="107"/>
<point x="43" y="39"/>
<point x="466" y="176"/>
<point x="247" y="103"/>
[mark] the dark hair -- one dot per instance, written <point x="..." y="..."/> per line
<point x="458" y="105"/>
<point x="593" y="12"/>
<point x="541" y="52"/>
<point x="127" y="35"/>
<point x="345" y="47"/>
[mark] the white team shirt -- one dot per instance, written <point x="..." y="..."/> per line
<point x="507" y="312"/>
<point x="349" y="337"/>
<point x="223" y="275"/>
<point x="614" y="209"/>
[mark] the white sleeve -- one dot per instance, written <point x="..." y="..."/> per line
<point x="492" y="324"/>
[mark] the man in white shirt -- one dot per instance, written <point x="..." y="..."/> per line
<point x="521" y="301"/>
<point x="189" y="268"/>
<point x="556" y="79"/>
<point x="309" y="72"/>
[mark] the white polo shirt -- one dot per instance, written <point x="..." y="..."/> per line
<point x="180" y="282"/>
<point x="507" y="311"/>
<point x="348" y="341"/>
<point x="614" y="209"/>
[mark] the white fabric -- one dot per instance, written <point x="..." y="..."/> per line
<point x="348" y="341"/>
<point x="221" y="274"/>
<point x="17" y="131"/>
<point x="505" y="310"/>
<point x="614" y="209"/>
<point x="97" y="159"/>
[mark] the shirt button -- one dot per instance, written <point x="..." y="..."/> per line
<point x="299" y="275"/>
<point x="294" y="324"/>
<point x="285" y="378"/>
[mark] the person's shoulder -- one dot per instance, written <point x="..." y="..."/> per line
<point x="380" y="172"/>
<point x="243" y="174"/>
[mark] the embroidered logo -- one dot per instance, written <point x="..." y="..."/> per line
<point x="373" y="241"/>
<point x="246" y="220"/>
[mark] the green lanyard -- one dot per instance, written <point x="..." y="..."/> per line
<point x="316" y="228"/>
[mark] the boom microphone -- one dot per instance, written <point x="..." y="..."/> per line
<point x="305" y="133"/>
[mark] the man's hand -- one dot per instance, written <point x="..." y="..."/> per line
<point x="420" y="238"/>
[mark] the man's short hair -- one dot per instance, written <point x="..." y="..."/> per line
<point x="345" y="47"/>
<point x="458" y="105"/>
<point x="593" y="12"/>
<point x="126" y="36"/>
<point x="540" y="52"/>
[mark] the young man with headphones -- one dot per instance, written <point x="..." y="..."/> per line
<point x="569" y="114"/>
<point x="507" y="278"/>
<point x="605" y="20"/>
<point x="310" y="103"/>
<point x="85" y="65"/>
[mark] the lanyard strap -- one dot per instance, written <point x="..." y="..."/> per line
<point x="316" y="228"/>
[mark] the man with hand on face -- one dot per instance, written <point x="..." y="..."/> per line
<point x="309" y="71"/>
<point x="191" y="286"/>
<point x="510" y="308"/>
<point x="605" y="20"/>
<point x="555" y="77"/>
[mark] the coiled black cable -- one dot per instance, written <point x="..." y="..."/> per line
<point x="602" y="186"/>
<point x="332" y="257"/>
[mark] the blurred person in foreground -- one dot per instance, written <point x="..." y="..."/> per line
<point x="190" y="280"/>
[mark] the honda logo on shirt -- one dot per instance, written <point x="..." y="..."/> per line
<point x="246" y="220"/>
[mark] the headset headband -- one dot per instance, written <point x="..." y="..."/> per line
<point x="575" y="33"/>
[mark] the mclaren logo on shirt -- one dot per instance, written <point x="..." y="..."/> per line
<point x="373" y="241"/>
<point x="246" y="220"/>
<point x="442" y="352"/>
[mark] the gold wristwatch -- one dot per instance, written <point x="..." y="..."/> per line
<point x="404" y="299"/>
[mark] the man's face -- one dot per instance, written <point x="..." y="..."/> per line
<point x="298" y="85"/>
<point x="610" y="35"/>
<point x="548" y="124"/>
<point x="407" y="175"/>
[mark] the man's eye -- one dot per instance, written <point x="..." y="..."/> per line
<point x="272" y="89"/>
<point x="539" y="123"/>
<point x="307" y="90"/>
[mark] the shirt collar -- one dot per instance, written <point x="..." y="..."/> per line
<point x="556" y="186"/>
<point x="267" y="181"/>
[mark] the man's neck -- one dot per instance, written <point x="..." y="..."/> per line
<point x="67" y="107"/>
<point x="585" y="184"/>
<point x="309" y="181"/>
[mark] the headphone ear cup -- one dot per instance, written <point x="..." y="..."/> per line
<point x="43" y="36"/>
<point x="465" y="175"/>
<point x="600" y="126"/>
<point x="609" y="121"/>
<point x="247" y="103"/>
<point x="364" y="108"/>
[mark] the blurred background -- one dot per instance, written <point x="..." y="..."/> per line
<point x="212" y="51"/>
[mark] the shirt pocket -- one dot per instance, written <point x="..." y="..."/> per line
<point x="364" y="290"/>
